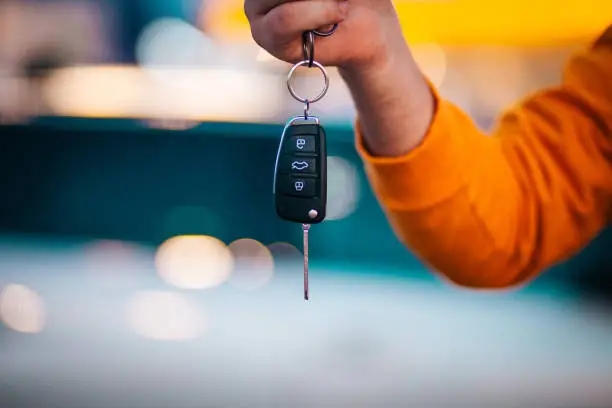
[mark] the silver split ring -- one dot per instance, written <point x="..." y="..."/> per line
<point x="328" y="33"/>
<point x="290" y="82"/>
<point x="309" y="47"/>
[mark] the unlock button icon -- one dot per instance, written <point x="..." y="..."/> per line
<point x="301" y="187"/>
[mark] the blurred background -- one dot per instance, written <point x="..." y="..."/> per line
<point x="142" y="263"/>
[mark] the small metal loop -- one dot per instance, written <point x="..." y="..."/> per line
<point x="290" y="83"/>
<point x="328" y="33"/>
<point x="309" y="47"/>
<point x="306" y="109"/>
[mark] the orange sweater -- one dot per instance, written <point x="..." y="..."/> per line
<point x="493" y="212"/>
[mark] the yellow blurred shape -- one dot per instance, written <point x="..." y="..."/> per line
<point x="463" y="22"/>
<point x="254" y="264"/>
<point x="194" y="262"/>
<point x="504" y="22"/>
<point x="164" y="316"/>
<point x="22" y="309"/>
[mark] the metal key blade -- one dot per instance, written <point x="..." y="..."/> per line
<point x="306" y="229"/>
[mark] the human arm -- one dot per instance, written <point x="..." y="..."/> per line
<point x="484" y="211"/>
<point x="496" y="211"/>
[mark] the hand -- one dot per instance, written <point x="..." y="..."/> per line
<point x="394" y="102"/>
<point x="368" y="33"/>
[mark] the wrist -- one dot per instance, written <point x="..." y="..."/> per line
<point x="394" y="101"/>
<point x="386" y="58"/>
<point x="386" y="48"/>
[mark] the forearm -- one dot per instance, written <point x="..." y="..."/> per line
<point x="495" y="211"/>
<point x="455" y="202"/>
<point x="393" y="100"/>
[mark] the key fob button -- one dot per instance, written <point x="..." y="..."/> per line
<point x="301" y="144"/>
<point x="299" y="187"/>
<point x="300" y="165"/>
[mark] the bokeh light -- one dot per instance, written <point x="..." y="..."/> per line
<point x="167" y="93"/>
<point x="287" y="258"/>
<point x="172" y="41"/>
<point x="343" y="188"/>
<point x="194" y="262"/>
<point x="165" y="316"/>
<point x="112" y="256"/>
<point x="170" y="124"/>
<point x="116" y="263"/>
<point x="22" y="309"/>
<point x="92" y="91"/>
<point x="265" y="56"/>
<point x="253" y="264"/>
<point x="432" y="60"/>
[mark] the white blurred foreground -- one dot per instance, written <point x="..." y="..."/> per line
<point x="95" y="326"/>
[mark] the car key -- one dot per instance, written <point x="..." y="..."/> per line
<point x="300" y="178"/>
<point x="300" y="174"/>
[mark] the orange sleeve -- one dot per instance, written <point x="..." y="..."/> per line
<point x="493" y="212"/>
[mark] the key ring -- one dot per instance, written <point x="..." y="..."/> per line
<point x="309" y="60"/>
<point x="328" y="33"/>
<point x="309" y="49"/>
<point x="294" y="93"/>
<point x="308" y="43"/>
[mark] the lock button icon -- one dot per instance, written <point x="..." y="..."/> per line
<point x="302" y="144"/>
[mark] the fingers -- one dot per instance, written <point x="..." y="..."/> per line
<point x="293" y="18"/>
<point x="286" y="22"/>
<point x="258" y="8"/>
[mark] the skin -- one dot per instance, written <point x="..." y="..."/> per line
<point x="394" y="101"/>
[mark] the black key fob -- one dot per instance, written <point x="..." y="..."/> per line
<point x="300" y="175"/>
